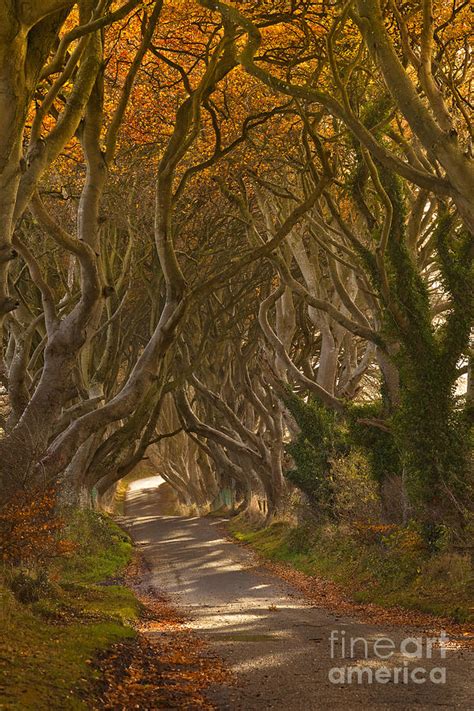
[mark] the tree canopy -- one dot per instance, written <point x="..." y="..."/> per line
<point x="237" y="240"/>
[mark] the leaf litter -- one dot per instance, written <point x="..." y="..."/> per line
<point x="165" y="666"/>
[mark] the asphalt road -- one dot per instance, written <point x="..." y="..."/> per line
<point x="278" y="646"/>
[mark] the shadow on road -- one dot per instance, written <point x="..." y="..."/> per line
<point x="276" y="644"/>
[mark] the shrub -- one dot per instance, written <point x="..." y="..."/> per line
<point x="300" y="539"/>
<point x="28" y="587"/>
<point x="373" y="533"/>
<point x="405" y="540"/>
<point x="30" y="530"/>
<point x="356" y="494"/>
<point x="312" y="451"/>
<point x="341" y="462"/>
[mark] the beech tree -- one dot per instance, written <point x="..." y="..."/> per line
<point x="211" y="208"/>
<point x="412" y="147"/>
<point x="81" y="115"/>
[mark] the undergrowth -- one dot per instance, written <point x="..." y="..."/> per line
<point x="386" y="565"/>
<point x="54" y="621"/>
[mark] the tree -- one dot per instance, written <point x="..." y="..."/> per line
<point x="284" y="185"/>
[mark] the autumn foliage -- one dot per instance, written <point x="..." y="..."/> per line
<point x="31" y="530"/>
<point x="210" y="209"/>
<point x="165" y="666"/>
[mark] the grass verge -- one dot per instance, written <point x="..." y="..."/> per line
<point x="48" y="645"/>
<point x="392" y="569"/>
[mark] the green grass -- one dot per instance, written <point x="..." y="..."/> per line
<point x="104" y="548"/>
<point x="384" y="572"/>
<point x="47" y="646"/>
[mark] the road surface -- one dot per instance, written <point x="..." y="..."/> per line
<point x="278" y="646"/>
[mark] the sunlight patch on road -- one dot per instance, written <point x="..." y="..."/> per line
<point x="273" y="659"/>
<point x="178" y="539"/>
<point x="151" y="482"/>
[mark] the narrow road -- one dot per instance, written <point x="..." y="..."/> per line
<point x="278" y="646"/>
